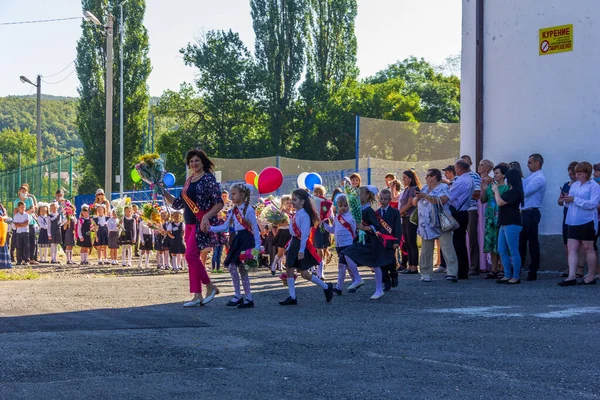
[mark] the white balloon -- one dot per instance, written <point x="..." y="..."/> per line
<point x="301" y="179"/>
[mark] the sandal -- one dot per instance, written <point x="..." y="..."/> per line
<point x="491" y="275"/>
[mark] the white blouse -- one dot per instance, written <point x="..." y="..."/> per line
<point x="343" y="237"/>
<point x="584" y="207"/>
<point x="250" y="217"/>
<point x="303" y="223"/>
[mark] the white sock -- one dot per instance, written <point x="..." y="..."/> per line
<point x="147" y="258"/>
<point x="123" y="254"/>
<point x="174" y="262"/>
<point x="320" y="270"/>
<point x="69" y="254"/>
<point x="129" y="254"/>
<point x="275" y="263"/>
<point x="317" y="281"/>
<point x="140" y="260"/>
<point x="291" y="287"/>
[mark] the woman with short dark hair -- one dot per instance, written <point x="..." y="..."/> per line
<point x="201" y="201"/>
<point x="582" y="223"/>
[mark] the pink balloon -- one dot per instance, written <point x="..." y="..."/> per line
<point x="269" y="180"/>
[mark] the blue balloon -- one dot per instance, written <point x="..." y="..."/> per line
<point x="169" y="179"/>
<point x="311" y="180"/>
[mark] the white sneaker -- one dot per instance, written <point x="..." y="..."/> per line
<point x="193" y="303"/>
<point x="377" y="296"/>
<point x="355" y="285"/>
<point x="426" y="279"/>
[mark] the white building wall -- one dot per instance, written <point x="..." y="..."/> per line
<point x="535" y="104"/>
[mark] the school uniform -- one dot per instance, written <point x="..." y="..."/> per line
<point x="159" y="240"/>
<point x="129" y="231"/>
<point x="43" y="237"/>
<point x="344" y="231"/>
<point x="247" y="233"/>
<point x="301" y="243"/>
<point x="166" y="243"/>
<point x="83" y="233"/>
<point x="282" y="237"/>
<point x="176" y="244"/>
<point x="68" y="227"/>
<point x="391" y="222"/>
<point x="113" y="233"/>
<point x="102" y="232"/>
<point x="22" y="237"/>
<point x="372" y="253"/>
<point x="56" y="221"/>
<point x="146" y="237"/>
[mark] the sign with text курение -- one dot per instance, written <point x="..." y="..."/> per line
<point x="556" y="39"/>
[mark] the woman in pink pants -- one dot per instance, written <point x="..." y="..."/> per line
<point x="201" y="202"/>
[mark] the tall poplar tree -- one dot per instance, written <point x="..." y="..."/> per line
<point x="280" y="29"/>
<point x="91" y="70"/>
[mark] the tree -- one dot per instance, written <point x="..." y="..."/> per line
<point x="228" y="85"/>
<point x="91" y="70"/>
<point x="13" y="142"/>
<point x="280" y="29"/>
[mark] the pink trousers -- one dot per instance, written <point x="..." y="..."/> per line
<point x="197" y="270"/>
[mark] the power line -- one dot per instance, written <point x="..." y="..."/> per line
<point x="54" y="83"/>
<point x="49" y="76"/>
<point x="38" y="21"/>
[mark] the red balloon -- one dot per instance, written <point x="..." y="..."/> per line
<point x="269" y="180"/>
<point x="249" y="177"/>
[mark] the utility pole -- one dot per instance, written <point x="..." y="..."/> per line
<point x="121" y="144"/>
<point x="109" y="105"/>
<point x="38" y="113"/>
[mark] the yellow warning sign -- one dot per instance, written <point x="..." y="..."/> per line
<point x="557" y="39"/>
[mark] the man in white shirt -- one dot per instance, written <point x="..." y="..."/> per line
<point x="534" y="188"/>
<point x="460" y="196"/>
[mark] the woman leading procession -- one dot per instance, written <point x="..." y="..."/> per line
<point x="201" y="202"/>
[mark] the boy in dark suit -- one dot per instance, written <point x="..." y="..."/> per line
<point x="389" y="218"/>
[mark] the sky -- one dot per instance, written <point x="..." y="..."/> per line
<point x="386" y="30"/>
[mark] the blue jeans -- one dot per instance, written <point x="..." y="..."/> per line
<point x="508" y="247"/>
<point x="216" y="258"/>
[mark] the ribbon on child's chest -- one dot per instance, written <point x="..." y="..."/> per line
<point x="310" y="247"/>
<point x="346" y="225"/>
<point x="388" y="229"/>
<point x="242" y="221"/>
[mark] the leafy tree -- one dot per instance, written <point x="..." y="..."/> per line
<point x="14" y="141"/>
<point x="280" y="29"/>
<point x="91" y="67"/>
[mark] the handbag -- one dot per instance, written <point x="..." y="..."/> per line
<point x="414" y="217"/>
<point x="447" y="221"/>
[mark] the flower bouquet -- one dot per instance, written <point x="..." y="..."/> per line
<point x="69" y="213"/>
<point x="119" y="206"/>
<point x="93" y="209"/>
<point x="152" y="170"/>
<point x="271" y="215"/>
<point x="352" y="195"/>
<point x="150" y="213"/>
<point x="250" y="258"/>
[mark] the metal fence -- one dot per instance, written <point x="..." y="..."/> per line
<point x="44" y="179"/>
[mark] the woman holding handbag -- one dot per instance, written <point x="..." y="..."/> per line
<point x="201" y="201"/>
<point x="428" y="201"/>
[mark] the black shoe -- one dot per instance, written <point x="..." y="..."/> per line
<point x="387" y="286"/>
<point x="232" y="303"/>
<point x="583" y="282"/>
<point x="337" y="291"/>
<point x="532" y="276"/>
<point x="288" y="302"/>
<point x="328" y="292"/>
<point x="572" y="282"/>
<point x="564" y="275"/>
<point x="394" y="281"/>
<point x="409" y="271"/>
<point x="246" y="304"/>
<point x="273" y="273"/>
<point x="501" y="281"/>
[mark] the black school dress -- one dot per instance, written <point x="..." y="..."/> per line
<point x="55" y="230"/>
<point x="102" y="232"/>
<point x="176" y="245"/>
<point x="85" y="241"/>
<point x="128" y="236"/>
<point x="309" y="259"/>
<point x="372" y="253"/>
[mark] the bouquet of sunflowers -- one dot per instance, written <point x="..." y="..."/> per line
<point x="150" y="213"/>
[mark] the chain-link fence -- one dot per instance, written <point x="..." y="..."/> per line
<point x="44" y="179"/>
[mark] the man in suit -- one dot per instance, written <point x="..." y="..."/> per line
<point x="389" y="218"/>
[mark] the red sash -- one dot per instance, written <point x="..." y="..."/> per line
<point x="243" y="221"/>
<point x="346" y="225"/>
<point x="191" y="204"/>
<point x="309" y="244"/>
<point x="387" y="228"/>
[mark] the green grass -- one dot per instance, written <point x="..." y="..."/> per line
<point x="22" y="275"/>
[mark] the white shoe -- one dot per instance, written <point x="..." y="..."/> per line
<point x="355" y="285"/>
<point x="193" y="303"/>
<point x="129" y="264"/>
<point x="210" y="297"/>
<point x="377" y="296"/>
<point x="425" y="279"/>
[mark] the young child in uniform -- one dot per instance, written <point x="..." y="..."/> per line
<point x="247" y="236"/>
<point x="283" y="236"/>
<point x="101" y="241"/>
<point x="372" y="253"/>
<point x="21" y="237"/>
<point x="68" y="228"/>
<point x="129" y="235"/>
<point x="146" y="241"/>
<point x="344" y="230"/>
<point x="56" y="221"/>
<point x="84" y="225"/>
<point x="390" y="221"/>
<point x="301" y="254"/>
<point x="113" y="236"/>
<point x="159" y="241"/>
<point x="175" y="231"/>
<point x="43" y="221"/>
